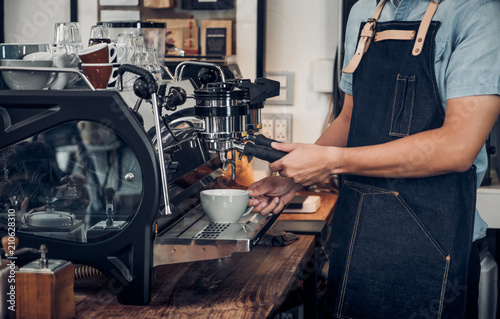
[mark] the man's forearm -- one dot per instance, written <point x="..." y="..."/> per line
<point x="419" y="155"/>
<point x="336" y="134"/>
<point x="450" y="148"/>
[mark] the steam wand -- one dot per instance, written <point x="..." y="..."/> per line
<point x="146" y="88"/>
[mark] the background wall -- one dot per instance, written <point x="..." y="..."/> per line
<point x="301" y="38"/>
<point x="32" y="21"/>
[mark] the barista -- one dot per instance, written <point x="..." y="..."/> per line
<point x="409" y="143"/>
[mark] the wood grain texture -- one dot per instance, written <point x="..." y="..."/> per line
<point x="325" y="211"/>
<point x="46" y="295"/>
<point x="245" y="285"/>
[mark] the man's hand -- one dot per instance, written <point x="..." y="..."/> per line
<point x="306" y="164"/>
<point x="271" y="194"/>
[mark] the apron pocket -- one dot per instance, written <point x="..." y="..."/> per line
<point x="394" y="266"/>
<point x="402" y="107"/>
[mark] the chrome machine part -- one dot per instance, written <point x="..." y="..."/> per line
<point x="179" y="70"/>
<point x="148" y="90"/>
<point x="197" y="238"/>
<point x="161" y="156"/>
<point x="222" y="108"/>
<point x="254" y="118"/>
<point x="231" y="113"/>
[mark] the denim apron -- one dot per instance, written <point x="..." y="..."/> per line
<point x="400" y="247"/>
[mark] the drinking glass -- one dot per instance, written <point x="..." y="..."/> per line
<point x="126" y="46"/>
<point x="152" y="64"/>
<point x="140" y="52"/>
<point x="67" y="33"/>
<point x="140" y="44"/>
<point x="99" y="34"/>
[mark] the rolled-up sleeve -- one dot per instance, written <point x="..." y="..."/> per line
<point x="351" y="40"/>
<point x="474" y="64"/>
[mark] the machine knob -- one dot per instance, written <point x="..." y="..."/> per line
<point x="206" y="75"/>
<point x="176" y="96"/>
<point x="109" y="193"/>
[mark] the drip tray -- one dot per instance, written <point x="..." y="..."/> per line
<point x="212" y="231"/>
<point x="194" y="237"/>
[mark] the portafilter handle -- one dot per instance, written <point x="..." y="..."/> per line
<point x="261" y="149"/>
<point x="264" y="153"/>
<point x="261" y="139"/>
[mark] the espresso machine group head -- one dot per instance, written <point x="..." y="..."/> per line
<point x="230" y="112"/>
<point x="224" y="112"/>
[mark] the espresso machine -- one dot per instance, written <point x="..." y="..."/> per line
<point x="82" y="175"/>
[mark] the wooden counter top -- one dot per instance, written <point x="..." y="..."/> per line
<point x="325" y="211"/>
<point x="245" y="285"/>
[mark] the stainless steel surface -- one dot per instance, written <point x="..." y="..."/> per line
<point x="167" y="70"/>
<point x="254" y="120"/>
<point x="195" y="237"/>
<point x="53" y="265"/>
<point x="179" y="70"/>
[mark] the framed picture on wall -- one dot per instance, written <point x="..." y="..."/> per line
<point x="120" y="15"/>
<point x="207" y="4"/>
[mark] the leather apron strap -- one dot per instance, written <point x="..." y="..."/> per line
<point x="368" y="33"/>
<point x="364" y="40"/>
<point x="424" y="26"/>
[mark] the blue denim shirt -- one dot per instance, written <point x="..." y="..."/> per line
<point x="467" y="54"/>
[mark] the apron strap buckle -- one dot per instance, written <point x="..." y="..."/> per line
<point x="367" y="34"/>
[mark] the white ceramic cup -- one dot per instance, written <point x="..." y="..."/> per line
<point x="225" y="205"/>
<point x="124" y="53"/>
<point x="114" y="76"/>
<point x="27" y="80"/>
<point x="38" y="56"/>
